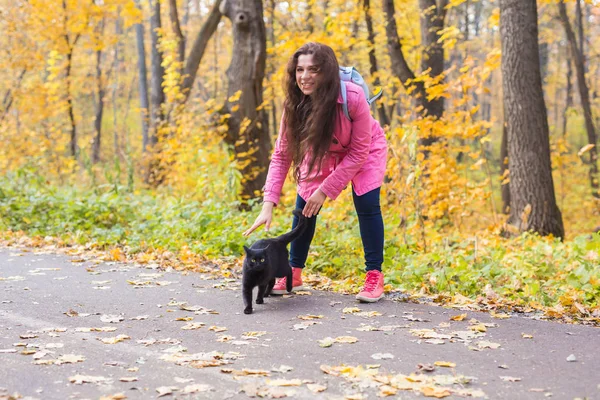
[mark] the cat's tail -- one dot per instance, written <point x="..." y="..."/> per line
<point x="297" y="231"/>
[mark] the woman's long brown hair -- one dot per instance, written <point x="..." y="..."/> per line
<point x="310" y="120"/>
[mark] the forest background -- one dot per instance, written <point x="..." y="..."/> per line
<point x="144" y="129"/>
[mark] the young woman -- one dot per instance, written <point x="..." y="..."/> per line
<point x="327" y="152"/>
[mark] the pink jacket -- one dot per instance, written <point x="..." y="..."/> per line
<point x="358" y="154"/>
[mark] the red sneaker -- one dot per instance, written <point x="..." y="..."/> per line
<point x="280" y="288"/>
<point x="372" y="291"/>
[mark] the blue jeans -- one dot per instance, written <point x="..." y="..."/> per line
<point x="370" y="222"/>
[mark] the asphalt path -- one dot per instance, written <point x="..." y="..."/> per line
<point x="78" y="328"/>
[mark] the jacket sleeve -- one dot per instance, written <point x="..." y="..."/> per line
<point x="358" y="148"/>
<point x="278" y="167"/>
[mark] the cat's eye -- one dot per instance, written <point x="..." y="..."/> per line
<point x="254" y="260"/>
<point x="262" y="260"/>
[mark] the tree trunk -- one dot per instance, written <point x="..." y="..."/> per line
<point x="383" y="118"/>
<point x="505" y="187"/>
<point x="73" y="134"/>
<point x="198" y="48"/>
<point x="96" y="144"/>
<point x="174" y="15"/>
<point x="248" y="133"/>
<point x="399" y="65"/>
<point x="533" y="202"/>
<point x="154" y="173"/>
<point x="157" y="96"/>
<point x="143" y="80"/>
<point x="584" y="96"/>
<point x="7" y="102"/>
<point x="273" y="68"/>
<point x="71" y="113"/>
<point x="432" y="21"/>
<point x="569" y="96"/>
<point x="115" y="91"/>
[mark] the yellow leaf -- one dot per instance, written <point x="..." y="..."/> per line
<point x="478" y="328"/>
<point x="346" y="339"/>
<point x="447" y="364"/>
<point x="526" y="336"/>
<point x="309" y="317"/>
<point x="284" y="382"/>
<point x="459" y="317"/>
<point x="585" y="149"/>
<point x="437" y="392"/>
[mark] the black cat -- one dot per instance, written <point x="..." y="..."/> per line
<point x="266" y="260"/>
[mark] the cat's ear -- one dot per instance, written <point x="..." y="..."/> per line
<point x="246" y="250"/>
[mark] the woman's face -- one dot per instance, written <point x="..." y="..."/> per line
<point x="308" y="75"/>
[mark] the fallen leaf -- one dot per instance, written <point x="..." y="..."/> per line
<point x="435" y="341"/>
<point x="28" y="336"/>
<point x="346" y="339"/>
<point x="425" y="368"/>
<point x="499" y="315"/>
<point x="165" y="390"/>
<point x="128" y="379"/>
<point x="284" y="382"/>
<point x="484" y="344"/>
<point x="195" y="388"/>
<point x="382" y="356"/>
<point x="283" y="369"/>
<point x="309" y="317"/>
<point x="254" y="334"/>
<point x="437" y="392"/>
<point x="327" y="342"/>
<point x="446" y="364"/>
<point x="118" y="396"/>
<point x="316" y="388"/>
<point x="184" y="319"/>
<point x="114" y="340"/>
<point x="217" y="329"/>
<point x="526" y="336"/>
<point x="368" y="314"/>
<point x="459" y="317"/>
<point x="510" y="379"/>
<point x="193" y="326"/>
<point x="112" y="319"/>
<point x="351" y="310"/>
<point x="81" y="379"/>
<point x="8" y="351"/>
<point x="69" y="359"/>
<point x="478" y="328"/>
<point x="387" y="390"/>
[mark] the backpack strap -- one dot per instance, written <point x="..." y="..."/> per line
<point x="345" y="100"/>
<point x="374" y="97"/>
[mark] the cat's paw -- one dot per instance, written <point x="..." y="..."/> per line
<point x="260" y="301"/>
<point x="247" y="311"/>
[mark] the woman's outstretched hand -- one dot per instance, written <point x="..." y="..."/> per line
<point x="314" y="203"/>
<point x="264" y="218"/>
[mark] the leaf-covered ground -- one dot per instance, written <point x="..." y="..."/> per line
<point x="84" y="326"/>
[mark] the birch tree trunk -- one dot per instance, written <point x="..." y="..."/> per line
<point x="248" y="134"/>
<point x="533" y="203"/>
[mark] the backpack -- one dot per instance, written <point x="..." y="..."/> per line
<point x="350" y="74"/>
